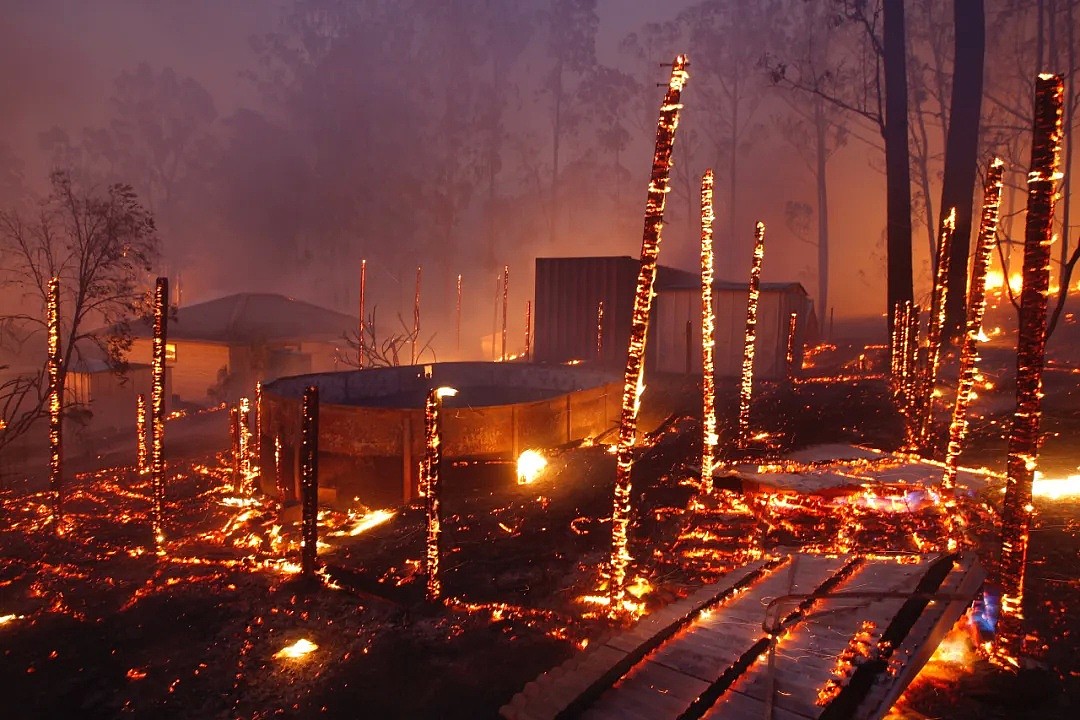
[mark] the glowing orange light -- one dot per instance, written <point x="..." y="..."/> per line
<point x="600" y="330"/>
<point x="297" y="651"/>
<point x="530" y="464"/>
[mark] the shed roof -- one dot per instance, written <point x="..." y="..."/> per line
<point x="254" y="317"/>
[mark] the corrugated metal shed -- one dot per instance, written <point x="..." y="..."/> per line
<point x="568" y="292"/>
<point x="677" y="305"/>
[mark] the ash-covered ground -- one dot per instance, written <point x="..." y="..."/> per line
<point x="98" y="626"/>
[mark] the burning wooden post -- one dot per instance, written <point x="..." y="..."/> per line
<point x="910" y="373"/>
<point x="495" y="320"/>
<point x="309" y="481"/>
<point x="1030" y="355"/>
<point x="505" y="306"/>
<point x="234" y="446"/>
<point x="969" y="357"/>
<point x="600" y="330"/>
<point x="142" y="451"/>
<point x="416" y="316"/>
<point x="157" y="409"/>
<point x="257" y="453"/>
<point x="708" y="340"/>
<point x="56" y="398"/>
<point x="939" y="297"/>
<point x="746" y="384"/>
<point x="793" y="321"/>
<point x="528" y="330"/>
<point x="896" y="353"/>
<point x="431" y="468"/>
<point x="633" y="382"/>
<point x="458" y="315"/>
<point x="361" y="329"/>
<point x="243" y="444"/>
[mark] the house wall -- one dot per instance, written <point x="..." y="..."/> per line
<point x="195" y="369"/>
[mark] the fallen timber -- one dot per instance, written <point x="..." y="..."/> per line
<point x="770" y="639"/>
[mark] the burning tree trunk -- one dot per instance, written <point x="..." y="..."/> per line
<point x="458" y="314"/>
<point x="600" y="330"/>
<point x="793" y="321"/>
<point x="910" y="372"/>
<point x="505" y="306"/>
<point x="976" y="306"/>
<point x="56" y="396"/>
<point x="416" y="316"/>
<point x="363" y="295"/>
<point x="708" y="341"/>
<point x="635" y="362"/>
<point x="1031" y="351"/>
<point x="141" y="449"/>
<point x="243" y="444"/>
<point x="938" y="299"/>
<point x="309" y="481"/>
<point x="747" y="382"/>
<point x="895" y="347"/>
<point x="234" y="446"/>
<point x="157" y="409"/>
<point x="432" y="467"/>
<point x="257" y="453"/>
<point x="528" y="329"/>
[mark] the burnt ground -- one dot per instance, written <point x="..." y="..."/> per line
<point x="104" y="628"/>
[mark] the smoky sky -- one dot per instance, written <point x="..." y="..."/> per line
<point x="316" y="133"/>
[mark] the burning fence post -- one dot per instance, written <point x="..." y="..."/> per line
<point x="243" y="444"/>
<point x="1030" y="355"/>
<point x="633" y="382"/>
<point x="600" y="330"/>
<point x="925" y="412"/>
<point x="528" y="330"/>
<point x="458" y="314"/>
<point x="234" y="446"/>
<point x="896" y="353"/>
<point x="142" y="451"/>
<point x="360" y="330"/>
<point x="793" y="321"/>
<point x="309" y="481"/>
<point x="432" y="467"/>
<point x="56" y="397"/>
<point x="505" y="306"/>
<point x="969" y="357"/>
<point x="157" y="409"/>
<point x="746" y="384"/>
<point x="708" y="341"/>
<point x="257" y="451"/>
<point x="416" y="316"/>
<point x="910" y="372"/>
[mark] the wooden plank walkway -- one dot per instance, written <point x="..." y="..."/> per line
<point x="710" y="655"/>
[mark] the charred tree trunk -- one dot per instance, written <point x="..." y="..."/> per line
<point x="962" y="148"/>
<point x="1030" y="354"/>
<point x="897" y="170"/>
<point x="639" y="327"/>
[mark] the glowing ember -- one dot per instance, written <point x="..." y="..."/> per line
<point x="366" y="522"/>
<point x="530" y="464"/>
<point x="633" y="381"/>
<point x="1055" y="488"/>
<point x="1031" y="354"/>
<point x="746" y="384"/>
<point x="5" y="619"/>
<point x="56" y="393"/>
<point x="708" y="341"/>
<point x="297" y="651"/>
